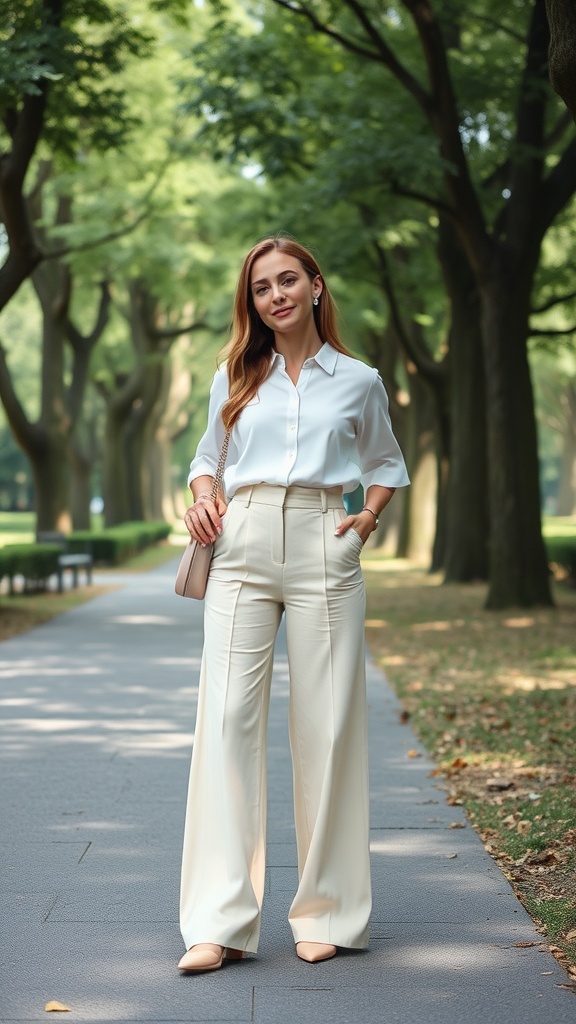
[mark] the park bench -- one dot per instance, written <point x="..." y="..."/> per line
<point x="67" y="560"/>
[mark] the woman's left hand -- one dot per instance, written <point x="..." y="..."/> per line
<point x="363" y="523"/>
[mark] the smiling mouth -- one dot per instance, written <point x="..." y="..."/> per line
<point x="283" y="311"/>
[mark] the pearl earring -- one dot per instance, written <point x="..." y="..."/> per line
<point x="315" y="300"/>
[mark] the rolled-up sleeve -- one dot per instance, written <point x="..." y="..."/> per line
<point x="205" y="461"/>
<point x="381" y="460"/>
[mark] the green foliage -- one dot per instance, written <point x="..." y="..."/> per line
<point x="78" y="46"/>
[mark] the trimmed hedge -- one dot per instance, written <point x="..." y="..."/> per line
<point x="112" y="546"/>
<point x="116" y="544"/>
<point x="35" y="562"/>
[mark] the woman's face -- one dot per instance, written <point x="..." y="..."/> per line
<point x="282" y="292"/>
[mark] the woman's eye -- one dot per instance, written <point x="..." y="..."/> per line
<point x="289" y="280"/>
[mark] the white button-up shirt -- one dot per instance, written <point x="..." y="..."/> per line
<point x="331" y="429"/>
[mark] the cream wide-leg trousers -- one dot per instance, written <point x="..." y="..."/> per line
<point x="278" y="552"/>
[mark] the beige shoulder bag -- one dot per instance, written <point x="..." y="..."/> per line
<point x="192" y="575"/>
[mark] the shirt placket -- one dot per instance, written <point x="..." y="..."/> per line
<point x="292" y="417"/>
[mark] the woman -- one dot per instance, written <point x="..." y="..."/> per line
<point x="308" y="422"/>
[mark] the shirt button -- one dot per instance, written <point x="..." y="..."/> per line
<point x="292" y="426"/>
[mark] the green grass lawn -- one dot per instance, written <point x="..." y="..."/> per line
<point x="17" y="527"/>
<point x="559" y="526"/>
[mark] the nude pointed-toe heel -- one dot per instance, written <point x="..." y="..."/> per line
<point x="315" y="952"/>
<point x="205" y="956"/>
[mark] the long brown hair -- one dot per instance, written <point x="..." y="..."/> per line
<point x="250" y="347"/>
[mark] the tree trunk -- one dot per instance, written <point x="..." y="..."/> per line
<point x="160" y="471"/>
<point x="467" y="523"/>
<point x="160" y="497"/>
<point x="114" y="478"/>
<point x="385" y="353"/>
<point x="420" y="528"/>
<point x="139" y="438"/>
<point x="518" y="566"/>
<point x="443" y="445"/>
<point x="562" y="56"/>
<point x="567" y="490"/>
<point x="80" y="488"/>
<point x="50" y="468"/>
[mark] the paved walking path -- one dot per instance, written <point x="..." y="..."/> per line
<point x="96" y="727"/>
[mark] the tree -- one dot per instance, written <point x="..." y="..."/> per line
<point x="501" y="210"/>
<point x="59" y="59"/>
<point x="135" y="402"/>
<point x="47" y="439"/>
<point x="327" y="149"/>
<point x="73" y="73"/>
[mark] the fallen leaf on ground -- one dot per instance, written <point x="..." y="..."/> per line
<point x="456" y="824"/>
<point x="413" y="753"/>
<point x="499" y="784"/>
<point x="543" y="857"/>
<point x="525" y="945"/>
<point x="54" y="1005"/>
<point x="459" y="762"/>
<point x="571" y="936"/>
<point x="451" y="856"/>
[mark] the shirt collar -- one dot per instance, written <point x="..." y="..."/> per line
<point x="326" y="357"/>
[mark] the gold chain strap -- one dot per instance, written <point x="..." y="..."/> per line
<point x="220" y="467"/>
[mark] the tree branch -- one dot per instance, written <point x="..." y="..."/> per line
<point x="111" y="236"/>
<point x="386" y="56"/>
<point x="528" y="152"/>
<point x="506" y="29"/>
<point x="175" y="332"/>
<point x="535" y="332"/>
<point x="326" y="30"/>
<point x="445" y="121"/>
<point x="421" y="197"/>
<point x="556" y="300"/>
<point x="381" y="52"/>
<point x="25" y="129"/>
<point x="420" y="356"/>
<point x="24" y="431"/>
<point x="80" y="341"/>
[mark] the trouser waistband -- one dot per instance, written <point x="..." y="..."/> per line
<point x="290" y="497"/>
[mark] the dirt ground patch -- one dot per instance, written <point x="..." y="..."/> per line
<point x="492" y="695"/>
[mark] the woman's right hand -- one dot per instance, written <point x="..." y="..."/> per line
<point x="204" y="519"/>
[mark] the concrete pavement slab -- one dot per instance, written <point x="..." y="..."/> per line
<point x="97" y="717"/>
